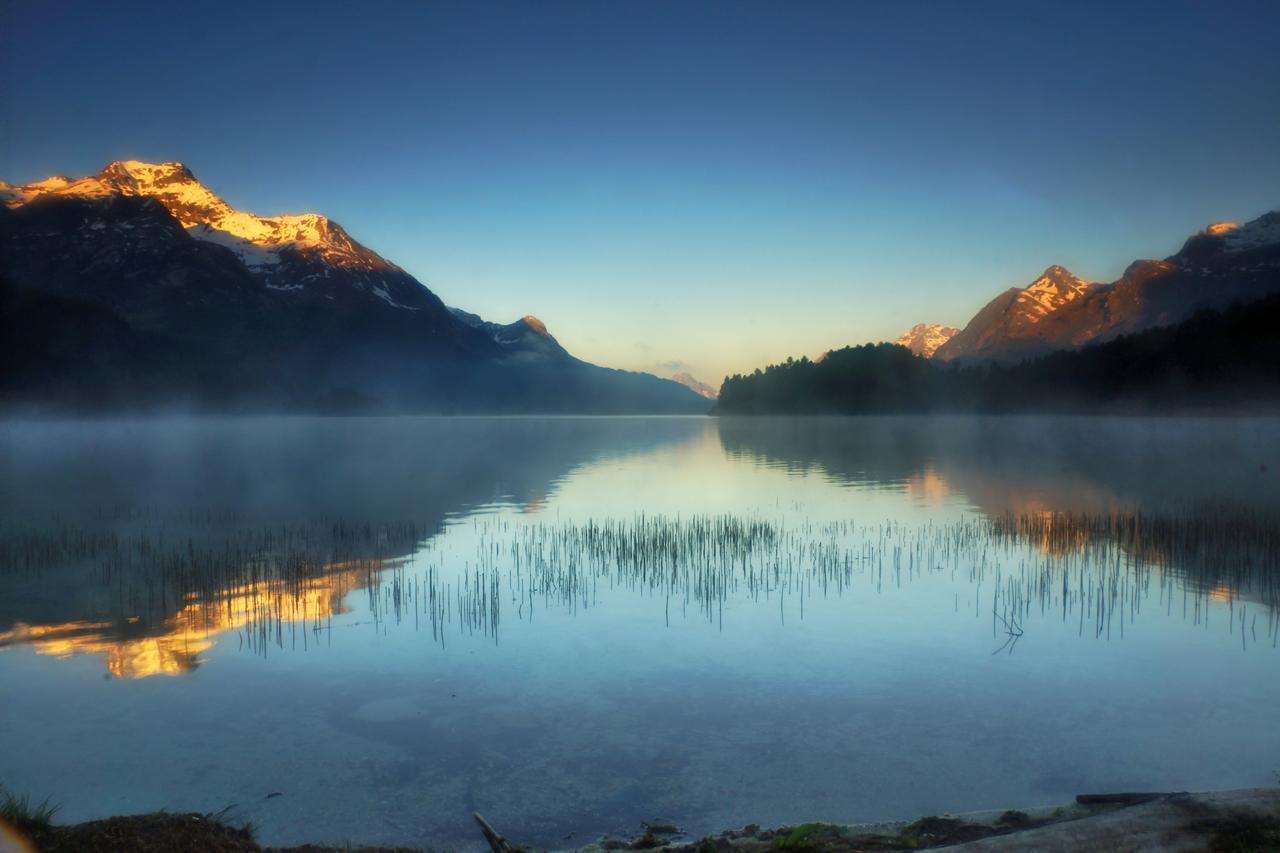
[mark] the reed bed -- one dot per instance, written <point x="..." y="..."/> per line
<point x="282" y="586"/>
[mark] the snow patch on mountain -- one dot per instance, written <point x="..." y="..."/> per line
<point x="253" y="255"/>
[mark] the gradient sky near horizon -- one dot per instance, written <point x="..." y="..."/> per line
<point x="682" y="186"/>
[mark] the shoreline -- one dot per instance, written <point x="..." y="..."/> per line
<point x="1241" y="819"/>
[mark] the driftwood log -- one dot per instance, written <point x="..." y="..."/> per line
<point x="1126" y="799"/>
<point x="497" y="843"/>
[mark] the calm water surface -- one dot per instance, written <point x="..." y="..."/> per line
<point x="575" y="625"/>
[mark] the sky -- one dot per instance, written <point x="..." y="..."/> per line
<point x="707" y="187"/>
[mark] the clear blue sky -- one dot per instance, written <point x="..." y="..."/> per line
<point x="714" y="185"/>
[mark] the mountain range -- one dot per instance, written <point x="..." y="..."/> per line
<point x="139" y="285"/>
<point x="1223" y="264"/>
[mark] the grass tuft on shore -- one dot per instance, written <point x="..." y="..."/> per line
<point x="17" y="811"/>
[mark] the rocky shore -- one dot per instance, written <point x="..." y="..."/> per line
<point x="1240" y="820"/>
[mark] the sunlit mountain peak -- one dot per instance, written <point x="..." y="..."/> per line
<point x="924" y="339"/>
<point x="1257" y="233"/>
<point x="1216" y="228"/>
<point x="260" y="242"/>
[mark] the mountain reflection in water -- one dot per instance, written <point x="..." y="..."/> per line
<point x="259" y="611"/>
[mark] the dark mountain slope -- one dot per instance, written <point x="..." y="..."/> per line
<point x="68" y="352"/>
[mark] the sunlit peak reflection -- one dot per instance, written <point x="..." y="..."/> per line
<point x="1221" y="593"/>
<point x="928" y="486"/>
<point x="176" y="646"/>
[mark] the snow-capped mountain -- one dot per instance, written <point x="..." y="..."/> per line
<point x="280" y="311"/>
<point x="296" y="252"/>
<point x="1222" y="264"/>
<point x="696" y="386"/>
<point x="923" y="339"/>
<point x="258" y="241"/>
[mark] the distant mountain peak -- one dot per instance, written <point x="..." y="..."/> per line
<point x="696" y="386"/>
<point x="535" y="324"/>
<point x="924" y="339"/>
<point x="146" y="174"/>
<point x="524" y="341"/>
<point x="1057" y="276"/>
<point x="1017" y="313"/>
<point x="1255" y="234"/>
<point x="1055" y="287"/>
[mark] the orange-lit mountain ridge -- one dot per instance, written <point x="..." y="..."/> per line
<point x="1222" y="264"/>
<point x="140" y="285"/>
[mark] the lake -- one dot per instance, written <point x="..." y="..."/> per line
<point x="366" y="629"/>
